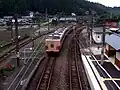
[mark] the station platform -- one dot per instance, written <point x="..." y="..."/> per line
<point x="100" y="77"/>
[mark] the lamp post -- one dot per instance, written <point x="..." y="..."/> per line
<point x="11" y="26"/>
<point x="33" y="43"/>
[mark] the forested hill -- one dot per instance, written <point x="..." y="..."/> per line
<point x="8" y="7"/>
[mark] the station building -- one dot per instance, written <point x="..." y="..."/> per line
<point x="113" y="47"/>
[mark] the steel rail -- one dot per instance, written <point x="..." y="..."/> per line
<point x="45" y="73"/>
<point x="78" y="73"/>
<point x="22" y="68"/>
<point x="6" y="54"/>
<point x="27" y="69"/>
<point x="74" y="71"/>
<point x="32" y="73"/>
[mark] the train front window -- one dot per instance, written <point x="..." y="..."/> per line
<point x="53" y="37"/>
<point x="56" y="37"/>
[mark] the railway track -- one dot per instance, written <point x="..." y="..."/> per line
<point x="10" y="43"/>
<point x="22" y="44"/>
<point x="7" y="53"/>
<point x="74" y="74"/>
<point x="43" y="83"/>
<point x="83" y="43"/>
<point x="77" y="77"/>
<point x="41" y="80"/>
<point x="82" y="74"/>
<point x="45" y="79"/>
<point x="22" y="76"/>
<point x="42" y="77"/>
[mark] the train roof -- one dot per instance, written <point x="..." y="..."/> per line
<point x="57" y="34"/>
<point x="53" y="36"/>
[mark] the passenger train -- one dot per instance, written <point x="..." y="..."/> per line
<point x="54" y="41"/>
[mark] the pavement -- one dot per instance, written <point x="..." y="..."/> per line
<point x="104" y="76"/>
<point x="107" y="75"/>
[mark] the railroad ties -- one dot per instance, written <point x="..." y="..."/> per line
<point x="45" y="78"/>
<point x="77" y="77"/>
<point x="74" y="78"/>
<point x="76" y="73"/>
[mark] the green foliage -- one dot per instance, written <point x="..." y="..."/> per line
<point x="9" y="7"/>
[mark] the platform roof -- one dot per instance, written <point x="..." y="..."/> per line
<point x="113" y="40"/>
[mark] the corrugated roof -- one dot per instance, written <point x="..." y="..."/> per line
<point x="113" y="40"/>
<point x="98" y="29"/>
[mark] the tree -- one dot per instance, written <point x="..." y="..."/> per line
<point x="8" y="7"/>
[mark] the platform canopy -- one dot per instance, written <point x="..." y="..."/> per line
<point x="113" y="40"/>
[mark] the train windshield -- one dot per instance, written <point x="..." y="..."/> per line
<point x="53" y="37"/>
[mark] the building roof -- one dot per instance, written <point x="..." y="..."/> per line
<point x="113" y="40"/>
<point x="98" y="29"/>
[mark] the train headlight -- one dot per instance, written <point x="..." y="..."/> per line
<point x="52" y="45"/>
<point x="46" y="47"/>
<point x="58" y="47"/>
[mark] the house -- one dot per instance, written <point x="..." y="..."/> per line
<point x="112" y="44"/>
<point x="111" y="23"/>
<point x="113" y="47"/>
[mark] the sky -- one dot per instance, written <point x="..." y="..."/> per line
<point x="110" y="3"/>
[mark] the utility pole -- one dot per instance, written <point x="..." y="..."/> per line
<point x="47" y="19"/>
<point x="92" y="26"/>
<point x="48" y="25"/>
<point x="11" y="26"/>
<point x="103" y="44"/>
<point x="17" y="40"/>
<point x="89" y="32"/>
<point x="46" y="14"/>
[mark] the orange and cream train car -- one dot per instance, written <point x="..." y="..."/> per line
<point x="54" y="41"/>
